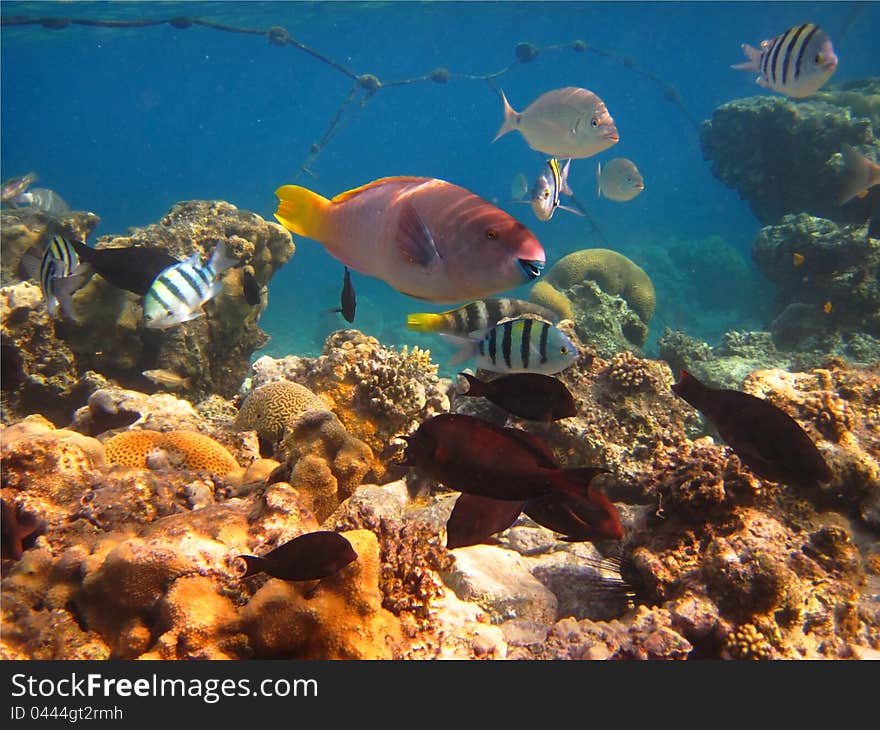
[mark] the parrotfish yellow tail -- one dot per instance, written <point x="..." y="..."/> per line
<point x="424" y="322"/>
<point x="511" y="118"/>
<point x="302" y="211"/>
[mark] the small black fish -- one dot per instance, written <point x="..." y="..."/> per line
<point x="346" y="298"/>
<point x="132" y="268"/>
<point x="250" y="287"/>
<point x="534" y="396"/>
<point x="312" y="556"/>
<point x="767" y="440"/>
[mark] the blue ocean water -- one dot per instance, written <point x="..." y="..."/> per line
<point x="125" y="122"/>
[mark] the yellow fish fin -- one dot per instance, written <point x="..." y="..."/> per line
<point x="424" y="322"/>
<point x="302" y="211"/>
<point x="342" y="197"/>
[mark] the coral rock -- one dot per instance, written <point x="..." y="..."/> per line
<point x="193" y="451"/>
<point x="269" y="408"/>
<point x="339" y="618"/>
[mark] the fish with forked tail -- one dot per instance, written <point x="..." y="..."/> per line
<point x="476" y="316"/>
<point x="767" y="440"/>
<point x="312" y="556"/>
<point x="566" y="122"/>
<point x="425" y="237"/>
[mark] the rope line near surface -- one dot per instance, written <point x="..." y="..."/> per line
<point x="368" y="83"/>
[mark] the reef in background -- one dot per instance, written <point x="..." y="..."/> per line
<point x="783" y="156"/>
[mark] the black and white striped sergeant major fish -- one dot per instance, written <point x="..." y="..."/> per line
<point x="476" y="317"/>
<point x="795" y="63"/>
<point x="520" y="345"/>
<point x="178" y="293"/>
<point x="58" y="272"/>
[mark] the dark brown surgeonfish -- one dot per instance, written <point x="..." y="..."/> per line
<point x="474" y="519"/>
<point x="132" y="268"/>
<point x="312" y="556"/>
<point x="767" y="440"/>
<point x="533" y="396"/>
<point x="495" y="464"/>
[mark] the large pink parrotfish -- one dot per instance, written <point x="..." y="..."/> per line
<point x="425" y="237"/>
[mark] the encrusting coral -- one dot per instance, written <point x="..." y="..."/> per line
<point x="324" y="460"/>
<point x="339" y="618"/>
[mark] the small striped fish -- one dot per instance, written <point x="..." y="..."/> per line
<point x="551" y="182"/>
<point x="476" y="317"/>
<point x="795" y="63"/>
<point x="178" y="292"/>
<point x="521" y="345"/>
<point x="54" y="270"/>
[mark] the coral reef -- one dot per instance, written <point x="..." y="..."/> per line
<point x="783" y="156"/>
<point x="829" y="295"/>
<point x="340" y="618"/>
<point x="22" y="228"/>
<point x="323" y="460"/>
<point x="212" y="352"/>
<point x="378" y="393"/>
<point x="609" y="298"/>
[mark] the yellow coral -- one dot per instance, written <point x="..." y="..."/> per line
<point x="196" y="451"/>
<point x="612" y="271"/>
<point x="747" y="642"/>
<point x="549" y="296"/>
<point x="269" y="408"/>
<point x="627" y="371"/>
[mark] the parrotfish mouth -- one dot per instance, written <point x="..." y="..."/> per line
<point x="531" y="268"/>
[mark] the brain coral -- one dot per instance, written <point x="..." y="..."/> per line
<point x="269" y="408"/>
<point x="615" y="274"/>
<point x="193" y="450"/>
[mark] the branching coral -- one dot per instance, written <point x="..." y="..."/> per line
<point x="627" y="371"/>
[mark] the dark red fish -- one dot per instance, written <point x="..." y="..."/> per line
<point x="534" y="396"/>
<point x="577" y="519"/>
<point x="767" y="440"/>
<point x="312" y="556"/>
<point x="474" y="519"/>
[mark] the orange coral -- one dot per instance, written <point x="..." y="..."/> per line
<point x="195" y="450"/>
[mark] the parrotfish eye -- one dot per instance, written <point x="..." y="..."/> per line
<point x="594" y="122"/>
<point x="491" y="234"/>
<point x="563" y="350"/>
